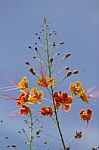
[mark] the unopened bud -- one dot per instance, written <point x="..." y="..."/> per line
<point x="67" y="55"/>
<point x="36" y="48"/>
<point x="34" y="57"/>
<point x="27" y="63"/>
<point x="51" y="60"/>
<point x="32" y="71"/>
<point x="67" y="68"/>
<point x="54" y="44"/>
<point x="13" y="145"/>
<point x="39" y="37"/>
<point x="29" y="47"/>
<point x="36" y="33"/>
<point x="69" y="74"/>
<point x="61" y="43"/>
<point x="50" y="34"/>
<point x="75" y="72"/>
<point x="58" y="54"/>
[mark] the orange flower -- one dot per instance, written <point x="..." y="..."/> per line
<point x="86" y="115"/>
<point x="36" y="96"/>
<point x="76" y="88"/>
<point x="23" y="98"/>
<point x="67" y="107"/>
<point x="21" y="101"/>
<point x="46" y="111"/>
<point x="23" y="84"/>
<point x="43" y="82"/>
<point x="24" y="110"/>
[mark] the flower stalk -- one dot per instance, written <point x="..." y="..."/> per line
<point x="31" y="128"/>
<point x="51" y="88"/>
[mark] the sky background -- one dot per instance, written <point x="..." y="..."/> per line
<point x="77" y="24"/>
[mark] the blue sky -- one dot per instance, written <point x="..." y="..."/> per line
<point x="77" y="25"/>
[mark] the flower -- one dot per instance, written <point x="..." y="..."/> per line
<point x="77" y="90"/>
<point x="86" y="115"/>
<point x="23" y="98"/>
<point x="36" y="96"/>
<point x="67" y="107"/>
<point x="23" y="84"/>
<point x="62" y="99"/>
<point x="46" y="111"/>
<point x="24" y="110"/>
<point x="43" y="82"/>
<point x="78" y="135"/>
<point x="84" y="96"/>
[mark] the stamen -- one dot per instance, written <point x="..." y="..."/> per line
<point x="7" y="87"/>
<point x="10" y="89"/>
<point x="47" y="99"/>
<point x="61" y="71"/>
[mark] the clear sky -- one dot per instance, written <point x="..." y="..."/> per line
<point x="77" y="24"/>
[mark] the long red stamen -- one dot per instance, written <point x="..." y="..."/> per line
<point x="8" y="87"/>
<point x="9" y="97"/>
<point x="12" y="81"/>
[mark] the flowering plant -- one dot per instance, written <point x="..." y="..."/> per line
<point x="47" y="82"/>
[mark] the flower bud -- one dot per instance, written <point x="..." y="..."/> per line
<point x="29" y="47"/>
<point x="61" y="43"/>
<point x="69" y="74"/>
<point x="75" y="72"/>
<point x="27" y="63"/>
<point x="36" y="48"/>
<point x="67" y="55"/>
<point x="32" y="71"/>
<point x="67" y="68"/>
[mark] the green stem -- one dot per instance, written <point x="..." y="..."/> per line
<point x="52" y="91"/>
<point x="31" y="128"/>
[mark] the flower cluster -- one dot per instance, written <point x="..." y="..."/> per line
<point x="31" y="96"/>
<point x="58" y="99"/>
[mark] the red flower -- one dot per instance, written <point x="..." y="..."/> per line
<point x="24" y="110"/>
<point x="62" y="99"/>
<point x="86" y="115"/>
<point x="46" y="111"/>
